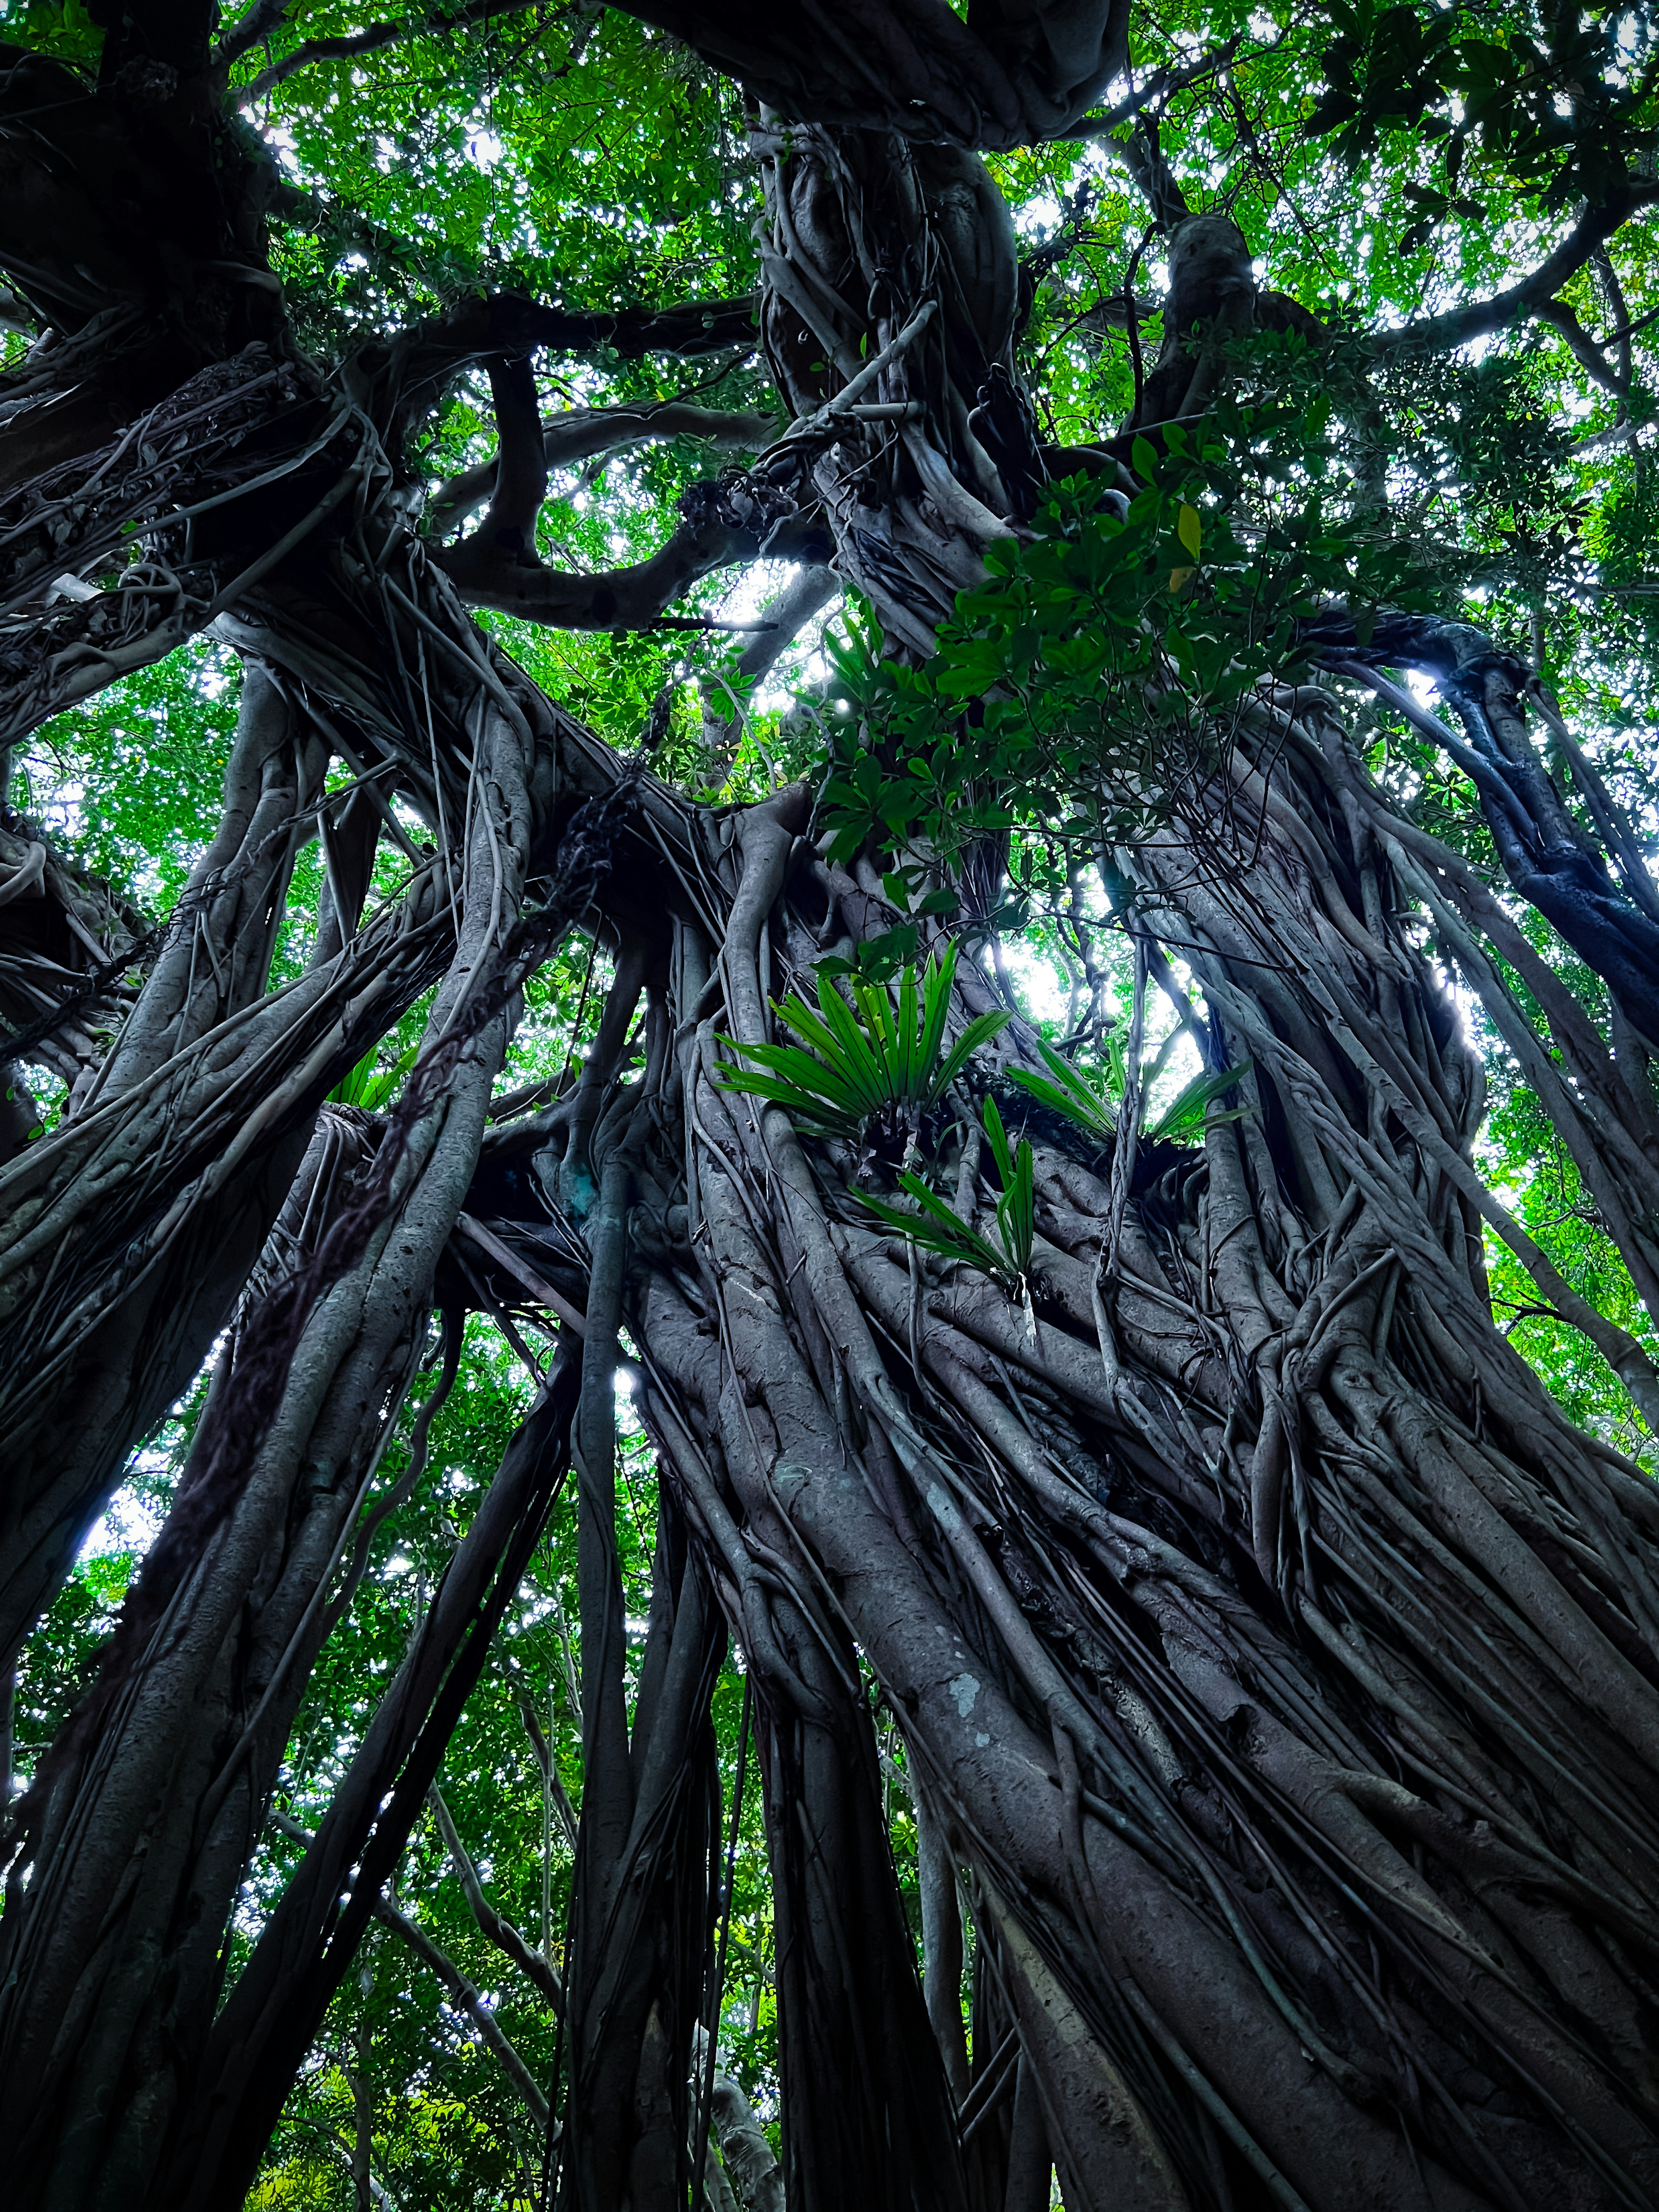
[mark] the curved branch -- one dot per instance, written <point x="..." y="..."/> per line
<point x="1159" y="87"/>
<point x="422" y="359"/>
<point x="1549" y="860"/>
<point x="583" y="432"/>
<point x="1145" y="159"/>
<point x="499" y="1929"/>
<point x="521" y="486"/>
<point x="462" y="1992"/>
<point x="1435" y="333"/>
<point x="260" y="20"/>
<point x="720" y="524"/>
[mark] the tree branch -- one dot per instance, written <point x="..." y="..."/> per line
<point x="1017" y="72"/>
<point x="550" y="1774"/>
<point x="1584" y="349"/>
<point x="720" y="523"/>
<point x="352" y="43"/>
<point x="425" y="358"/>
<point x="509" y="527"/>
<point x="1158" y="87"/>
<point x="470" y="1999"/>
<point x="799" y="601"/>
<point x="500" y="1930"/>
<point x="1434" y="333"/>
<point x="693" y="326"/>
<point x="583" y="432"/>
<point x="1146" y="162"/>
<point x="259" y="21"/>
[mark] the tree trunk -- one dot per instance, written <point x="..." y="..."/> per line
<point x="1279" y="1663"/>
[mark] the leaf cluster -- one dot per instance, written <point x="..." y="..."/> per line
<point x="1092" y="681"/>
<point x="881" y="1069"/>
<point x="367" y="1085"/>
<point x="1065" y="1090"/>
<point x="1564" y="118"/>
<point x="932" y="1226"/>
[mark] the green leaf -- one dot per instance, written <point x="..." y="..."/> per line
<point x="364" y="1088"/>
<point x="859" y="1066"/>
<point x="936" y="1229"/>
<point x="1188" y="529"/>
<point x="1189" y="1116"/>
<point x="978" y="1033"/>
<point x="1068" y="1093"/>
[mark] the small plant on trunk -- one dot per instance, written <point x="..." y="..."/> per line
<point x="878" y="1076"/>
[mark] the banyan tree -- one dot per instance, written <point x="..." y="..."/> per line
<point x="1272" y="1657"/>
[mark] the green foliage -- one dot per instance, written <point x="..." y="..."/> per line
<point x="884" y="1070"/>
<point x="1191" y="1111"/>
<point x="1092" y="679"/>
<point x="936" y="1229"/>
<point x="1564" y="114"/>
<point x="133" y="777"/>
<point x="1064" y="1090"/>
<point x="369" y="1086"/>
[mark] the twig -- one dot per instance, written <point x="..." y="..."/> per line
<point x="500" y="1930"/>
<point x="366" y="41"/>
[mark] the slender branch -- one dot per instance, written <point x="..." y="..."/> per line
<point x="550" y="1774"/>
<point x="353" y="43"/>
<point x="1613" y="292"/>
<point x="522" y="1273"/>
<point x="1158" y="87"/>
<point x="853" y="391"/>
<point x="1146" y="162"/>
<point x="500" y="1930"/>
<point x="1628" y="329"/>
<point x="807" y="590"/>
<point x="467" y="1996"/>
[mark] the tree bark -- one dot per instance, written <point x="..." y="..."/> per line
<point x="1281" y="1666"/>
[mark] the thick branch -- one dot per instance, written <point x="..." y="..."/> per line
<point x="1548" y="857"/>
<point x="583" y="432"/>
<point x="509" y="528"/>
<point x="1011" y="76"/>
<point x="1435" y="333"/>
<point x="1144" y="158"/>
<point x="426" y="358"/>
<point x="720" y="524"/>
<point x="513" y="324"/>
<point x="807" y="590"/>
